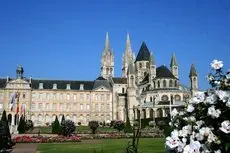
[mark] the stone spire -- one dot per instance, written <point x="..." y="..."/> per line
<point x="192" y="71"/>
<point x="173" y="60"/>
<point x="127" y="56"/>
<point x="107" y="60"/>
<point x="151" y="59"/>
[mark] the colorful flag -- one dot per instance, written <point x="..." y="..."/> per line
<point x="12" y="101"/>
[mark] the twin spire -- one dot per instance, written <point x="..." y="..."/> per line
<point x="107" y="44"/>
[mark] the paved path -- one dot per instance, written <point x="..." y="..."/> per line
<point x="25" y="148"/>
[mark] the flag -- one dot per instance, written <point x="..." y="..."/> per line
<point x="12" y="101"/>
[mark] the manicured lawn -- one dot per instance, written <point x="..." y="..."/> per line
<point x="146" y="145"/>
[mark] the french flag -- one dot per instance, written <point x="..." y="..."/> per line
<point x="12" y="101"/>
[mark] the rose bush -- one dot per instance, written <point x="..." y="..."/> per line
<point x="203" y="126"/>
<point x="45" y="139"/>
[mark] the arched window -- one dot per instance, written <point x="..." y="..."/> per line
<point x="164" y="98"/>
<point x="175" y="83"/>
<point x="107" y="70"/>
<point x="111" y="70"/>
<point x="132" y="80"/>
<point x="140" y="65"/>
<point x="194" y="79"/>
<point x="177" y="98"/>
<point x="164" y="83"/>
<point x="158" y="84"/>
<point x="170" y="83"/>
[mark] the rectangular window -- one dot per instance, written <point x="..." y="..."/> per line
<point x="107" y="97"/>
<point x="67" y="107"/>
<point x="61" y="107"/>
<point x="74" y="106"/>
<point x="40" y="106"/>
<point x="81" y="107"/>
<point x="1" y="106"/>
<point x="87" y="97"/>
<point x="81" y="97"/>
<point x="102" y="107"/>
<point x="54" y="96"/>
<point x="87" y="107"/>
<point x="102" y="97"/>
<point x="108" y="107"/>
<point x="47" y="107"/>
<point x="54" y="107"/>
<point x="74" y="97"/>
<point x="33" y="96"/>
<point x="96" y="107"/>
<point x="67" y="97"/>
<point x="33" y="106"/>
<point x="123" y="90"/>
<point x="61" y="96"/>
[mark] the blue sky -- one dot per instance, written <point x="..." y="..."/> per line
<point x="55" y="39"/>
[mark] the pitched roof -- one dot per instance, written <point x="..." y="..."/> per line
<point x="164" y="72"/>
<point x="62" y="84"/>
<point x="143" y="54"/>
<point x="118" y="80"/>
<point x="192" y="71"/>
<point x="100" y="81"/>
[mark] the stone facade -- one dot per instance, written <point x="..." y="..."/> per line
<point x="144" y="90"/>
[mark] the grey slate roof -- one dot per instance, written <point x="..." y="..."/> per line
<point x="192" y="71"/>
<point x="100" y="81"/>
<point x="164" y="72"/>
<point x="118" y="80"/>
<point x="143" y="54"/>
<point x="61" y="84"/>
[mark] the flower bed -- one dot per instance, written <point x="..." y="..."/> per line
<point x="45" y="139"/>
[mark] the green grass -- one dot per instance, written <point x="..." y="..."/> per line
<point x="146" y="145"/>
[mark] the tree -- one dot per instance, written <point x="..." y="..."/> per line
<point x="93" y="125"/>
<point x="63" y="118"/>
<point x="119" y="125"/>
<point x="56" y="126"/>
<point x="128" y="128"/>
<point x="21" y="125"/>
<point x="68" y="127"/>
<point x="204" y="124"/>
<point x="4" y="119"/>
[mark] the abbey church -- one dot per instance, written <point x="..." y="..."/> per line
<point x="145" y="90"/>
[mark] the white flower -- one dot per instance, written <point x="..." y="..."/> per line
<point x="212" y="138"/>
<point x="213" y="112"/>
<point x="198" y="124"/>
<point x="225" y="127"/>
<point x="217" y="64"/>
<point x="174" y="112"/>
<point x="190" y="108"/>
<point x="197" y="98"/>
<point x="212" y="99"/>
<point x="205" y="131"/>
<point x="228" y="103"/>
<point x="181" y="113"/>
<point x="192" y="118"/>
<point x="193" y="147"/>
<point x="223" y="95"/>
<point x="172" y="143"/>
<point x="217" y="151"/>
<point x="185" y="131"/>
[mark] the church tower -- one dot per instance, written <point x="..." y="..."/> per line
<point x="127" y="57"/>
<point x="174" y="66"/>
<point x="107" y="60"/>
<point x="131" y="90"/>
<point x="193" y="79"/>
<point x="152" y="70"/>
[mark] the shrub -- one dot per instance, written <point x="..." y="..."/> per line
<point x="29" y="125"/>
<point x="67" y="127"/>
<point x="101" y="123"/>
<point x="204" y="126"/>
<point x="56" y="126"/>
<point x="128" y="128"/>
<point x="63" y="118"/>
<point x="112" y="123"/>
<point x="93" y="125"/>
<point x="136" y="123"/>
<point x="119" y="125"/>
<point x="79" y="123"/>
<point x="22" y="125"/>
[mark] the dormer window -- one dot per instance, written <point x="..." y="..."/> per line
<point x="81" y="86"/>
<point x="68" y="87"/>
<point x="40" y="85"/>
<point x="54" y="86"/>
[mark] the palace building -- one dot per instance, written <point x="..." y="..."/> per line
<point x="144" y="90"/>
